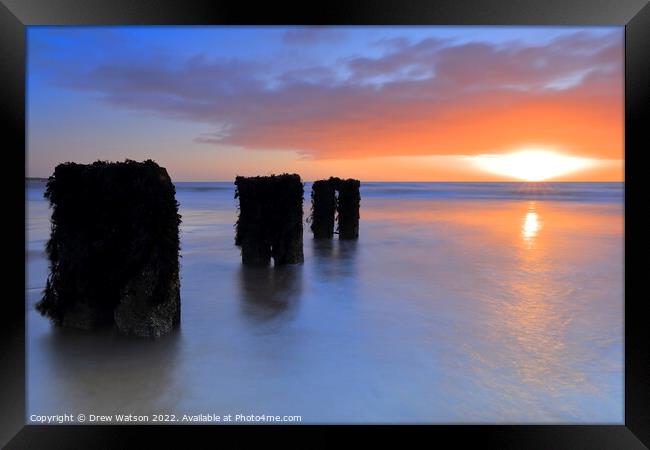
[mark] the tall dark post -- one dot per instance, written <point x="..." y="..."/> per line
<point x="270" y="219"/>
<point x="348" y="208"/>
<point x="286" y="211"/>
<point x="252" y="232"/>
<point x="323" y="206"/>
<point x="113" y="249"/>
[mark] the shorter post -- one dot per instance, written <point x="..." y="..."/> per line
<point x="270" y="219"/>
<point x="252" y="233"/>
<point x="323" y="207"/>
<point x="348" y="208"/>
<point x="286" y="212"/>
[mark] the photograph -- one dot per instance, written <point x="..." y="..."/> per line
<point x="341" y="224"/>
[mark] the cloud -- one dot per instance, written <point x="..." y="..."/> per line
<point x="404" y="61"/>
<point x="417" y="98"/>
<point x="215" y="137"/>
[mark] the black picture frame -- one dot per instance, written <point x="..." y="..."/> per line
<point x="16" y="15"/>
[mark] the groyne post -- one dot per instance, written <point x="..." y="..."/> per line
<point x="114" y="248"/>
<point x="270" y="219"/>
<point x="348" y="203"/>
<point x="338" y="198"/>
<point x="252" y="233"/>
<point x="323" y="206"/>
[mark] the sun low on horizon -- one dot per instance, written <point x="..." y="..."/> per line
<point x="533" y="165"/>
<point x="400" y="103"/>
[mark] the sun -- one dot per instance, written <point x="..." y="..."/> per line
<point x="532" y="165"/>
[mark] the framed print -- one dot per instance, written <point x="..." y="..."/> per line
<point x="418" y="218"/>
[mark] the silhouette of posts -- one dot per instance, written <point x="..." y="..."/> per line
<point x="348" y="208"/>
<point x="325" y="205"/>
<point x="113" y="249"/>
<point x="270" y="219"/>
<point x="323" y="198"/>
<point x="252" y="234"/>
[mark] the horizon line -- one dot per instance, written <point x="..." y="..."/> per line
<point x="399" y="181"/>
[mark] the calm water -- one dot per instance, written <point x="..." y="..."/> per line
<point x="461" y="302"/>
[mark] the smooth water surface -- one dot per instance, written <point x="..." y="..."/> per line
<point x="459" y="303"/>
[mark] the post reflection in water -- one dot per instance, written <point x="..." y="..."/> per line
<point x="269" y="293"/>
<point x="323" y="249"/>
<point x="84" y="366"/>
<point x="335" y="259"/>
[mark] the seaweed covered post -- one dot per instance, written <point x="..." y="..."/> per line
<point x="252" y="230"/>
<point x="323" y="206"/>
<point x="348" y="208"/>
<point x="286" y="212"/>
<point x="332" y="196"/>
<point x="270" y="219"/>
<point x="114" y="248"/>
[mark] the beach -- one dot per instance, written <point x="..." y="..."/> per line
<point x="460" y="303"/>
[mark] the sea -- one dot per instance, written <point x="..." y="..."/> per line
<point x="460" y="303"/>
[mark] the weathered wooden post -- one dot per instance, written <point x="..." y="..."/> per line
<point x="270" y="219"/>
<point x="286" y="210"/>
<point x="325" y="203"/>
<point x="323" y="207"/>
<point x="253" y="228"/>
<point x="114" y="248"/>
<point x="348" y="208"/>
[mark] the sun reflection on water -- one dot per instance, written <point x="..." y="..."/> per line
<point x="531" y="225"/>
<point x="537" y="326"/>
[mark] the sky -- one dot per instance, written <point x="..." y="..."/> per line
<point x="374" y="103"/>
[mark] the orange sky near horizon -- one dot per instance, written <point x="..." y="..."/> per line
<point x="373" y="169"/>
